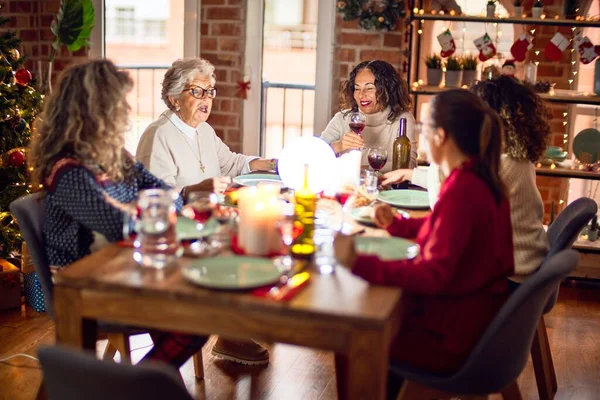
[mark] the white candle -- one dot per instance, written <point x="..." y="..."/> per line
<point x="259" y="213"/>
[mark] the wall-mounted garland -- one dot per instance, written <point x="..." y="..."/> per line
<point x="373" y="14"/>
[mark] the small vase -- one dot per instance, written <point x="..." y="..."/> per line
<point x="491" y="10"/>
<point x="597" y="77"/>
<point x="453" y="78"/>
<point x="44" y="76"/>
<point x="518" y="12"/>
<point x="530" y="73"/>
<point x="434" y="77"/>
<point x="592" y="235"/>
<point x="536" y="12"/>
<point x="468" y="77"/>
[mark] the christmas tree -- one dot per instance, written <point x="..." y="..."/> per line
<point x="20" y="104"/>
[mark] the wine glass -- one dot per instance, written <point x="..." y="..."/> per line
<point x="358" y="121"/>
<point x="377" y="157"/>
<point x="290" y="229"/>
<point x="200" y="207"/>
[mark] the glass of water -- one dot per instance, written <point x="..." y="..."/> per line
<point x="156" y="244"/>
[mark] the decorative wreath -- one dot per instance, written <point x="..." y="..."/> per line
<point x="373" y="14"/>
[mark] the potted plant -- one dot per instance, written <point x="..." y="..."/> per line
<point x="536" y="11"/>
<point x="434" y="70"/>
<point x="71" y="28"/>
<point x="593" y="231"/>
<point x="491" y="8"/>
<point x="518" y="9"/>
<point x="453" y="72"/>
<point x="469" y="66"/>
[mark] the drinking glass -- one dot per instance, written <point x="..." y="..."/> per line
<point x="289" y="229"/>
<point x="377" y="157"/>
<point x="358" y="121"/>
<point x="156" y="244"/>
<point x="200" y="207"/>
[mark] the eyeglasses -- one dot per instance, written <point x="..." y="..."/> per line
<point x="200" y="93"/>
<point x="425" y="128"/>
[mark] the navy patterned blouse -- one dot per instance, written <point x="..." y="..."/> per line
<point x="76" y="207"/>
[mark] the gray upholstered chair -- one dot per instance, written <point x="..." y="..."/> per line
<point x="93" y="379"/>
<point x="501" y="354"/>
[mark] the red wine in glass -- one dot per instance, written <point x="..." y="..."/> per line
<point x="202" y="214"/>
<point x="357" y="127"/>
<point x="342" y="197"/>
<point x="377" y="161"/>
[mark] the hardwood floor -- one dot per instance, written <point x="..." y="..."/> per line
<point x="301" y="373"/>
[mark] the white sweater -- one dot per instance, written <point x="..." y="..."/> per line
<point x="170" y="149"/>
<point x="378" y="132"/>
<point x="526" y="210"/>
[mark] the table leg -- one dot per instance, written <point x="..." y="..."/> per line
<point x="361" y="373"/>
<point x="71" y="328"/>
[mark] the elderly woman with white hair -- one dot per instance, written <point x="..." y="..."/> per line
<point x="180" y="147"/>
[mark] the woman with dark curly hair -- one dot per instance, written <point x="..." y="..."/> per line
<point x="525" y="119"/>
<point x="377" y="90"/>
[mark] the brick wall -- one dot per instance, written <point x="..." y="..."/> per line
<point x="553" y="190"/>
<point x="223" y="29"/>
<point x="353" y="45"/>
<point x="31" y="21"/>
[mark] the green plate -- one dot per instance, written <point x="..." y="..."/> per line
<point x="363" y="215"/>
<point x="232" y="272"/>
<point x="187" y="229"/>
<point x="387" y="248"/>
<point x="415" y="199"/>
<point x="255" y="179"/>
<point x="587" y="142"/>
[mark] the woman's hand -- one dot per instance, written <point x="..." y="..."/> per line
<point x="397" y="176"/>
<point x="345" y="252"/>
<point x="216" y="185"/>
<point x="349" y="141"/>
<point x="383" y="215"/>
<point x="263" y="165"/>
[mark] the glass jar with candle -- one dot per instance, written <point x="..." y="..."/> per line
<point x="156" y="244"/>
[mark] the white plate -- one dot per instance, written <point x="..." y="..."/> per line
<point x="255" y="179"/>
<point x="364" y="215"/>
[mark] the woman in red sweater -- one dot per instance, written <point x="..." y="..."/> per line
<point x="457" y="283"/>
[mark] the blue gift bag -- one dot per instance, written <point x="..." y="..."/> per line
<point x="33" y="292"/>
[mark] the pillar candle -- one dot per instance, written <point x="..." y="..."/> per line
<point x="259" y="214"/>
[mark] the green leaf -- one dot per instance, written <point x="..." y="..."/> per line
<point x="74" y="24"/>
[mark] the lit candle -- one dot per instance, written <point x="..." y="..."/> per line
<point x="259" y="213"/>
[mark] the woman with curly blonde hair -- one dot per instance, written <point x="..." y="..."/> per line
<point x="89" y="178"/>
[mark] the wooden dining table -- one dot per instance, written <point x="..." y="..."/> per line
<point x="338" y="312"/>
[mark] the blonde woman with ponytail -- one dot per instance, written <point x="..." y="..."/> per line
<point x="457" y="283"/>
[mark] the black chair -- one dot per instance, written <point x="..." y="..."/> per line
<point x="29" y="212"/>
<point x="501" y="354"/>
<point x="562" y="233"/>
<point x="76" y="375"/>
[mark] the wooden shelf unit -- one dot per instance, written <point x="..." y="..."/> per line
<point x="510" y="20"/>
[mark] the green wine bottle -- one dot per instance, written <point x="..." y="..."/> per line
<point x="306" y="202"/>
<point x="401" y="155"/>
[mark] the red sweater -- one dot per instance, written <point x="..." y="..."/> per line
<point x="457" y="283"/>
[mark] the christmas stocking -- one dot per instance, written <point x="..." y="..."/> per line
<point x="556" y="46"/>
<point x="447" y="42"/>
<point x="486" y="47"/>
<point x="520" y="47"/>
<point x="587" y="51"/>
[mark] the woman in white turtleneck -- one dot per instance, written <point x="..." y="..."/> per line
<point x="378" y="91"/>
